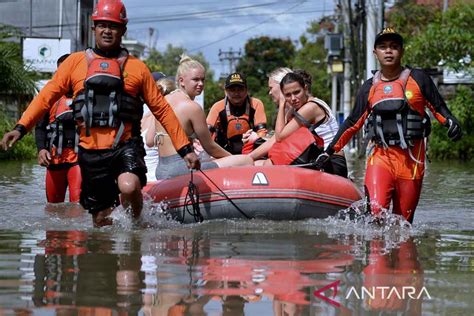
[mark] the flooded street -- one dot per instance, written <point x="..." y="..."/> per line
<point x="52" y="261"/>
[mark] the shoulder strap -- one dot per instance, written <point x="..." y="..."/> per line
<point x="404" y="77"/>
<point x="305" y="122"/>
<point x="227" y="107"/>
<point x="377" y="78"/>
<point x="89" y="55"/>
<point x="247" y="106"/>
<point x="250" y="111"/>
<point x="122" y="58"/>
<point x="300" y="118"/>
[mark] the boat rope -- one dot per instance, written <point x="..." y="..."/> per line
<point x="304" y="165"/>
<point x="226" y="196"/>
<point x="192" y="200"/>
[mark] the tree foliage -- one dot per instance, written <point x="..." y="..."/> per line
<point x="15" y="79"/>
<point x="434" y="38"/>
<point x="262" y="55"/>
<point x="312" y="57"/>
<point x="441" y="147"/>
<point x="410" y="18"/>
<point x="25" y="149"/>
<point x="168" y="61"/>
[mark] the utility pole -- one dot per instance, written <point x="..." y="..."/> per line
<point x="334" y="76"/>
<point x="231" y="57"/>
<point x="374" y="25"/>
<point x="60" y="29"/>
<point x="31" y="17"/>
<point x="347" y="60"/>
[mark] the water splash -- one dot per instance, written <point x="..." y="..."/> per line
<point x="359" y="225"/>
<point x="153" y="216"/>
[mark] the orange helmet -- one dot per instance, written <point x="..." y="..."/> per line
<point x="110" y="10"/>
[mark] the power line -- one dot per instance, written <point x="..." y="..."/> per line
<point x="197" y="18"/>
<point x="245" y="29"/>
<point x="174" y="16"/>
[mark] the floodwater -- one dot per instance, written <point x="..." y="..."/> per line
<point x="53" y="262"/>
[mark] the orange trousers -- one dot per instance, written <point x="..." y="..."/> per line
<point x="392" y="175"/>
<point x="57" y="182"/>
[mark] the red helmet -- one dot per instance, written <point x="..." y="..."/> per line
<point x="110" y="10"/>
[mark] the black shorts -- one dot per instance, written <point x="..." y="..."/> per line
<point x="100" y="170"/>
<point x="339" y="165"/>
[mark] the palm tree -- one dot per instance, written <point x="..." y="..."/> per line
<point x="15" y="79"/>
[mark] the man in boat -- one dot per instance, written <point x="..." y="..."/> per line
<point x="237" y="113"/>
<point x="109" y="88"/>
<point x="393" y="104"/>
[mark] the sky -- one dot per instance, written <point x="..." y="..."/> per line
<point x="210" y="25"/>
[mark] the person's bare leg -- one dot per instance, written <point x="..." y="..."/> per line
<point x="235" y="160"/>
<point x="102" y="218"/>
<point x="131" y="192"/>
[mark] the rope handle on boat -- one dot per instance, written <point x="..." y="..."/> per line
<point x="303" y="165"/>
<point x="192" y="199"/>
<point x="227" y="197"/>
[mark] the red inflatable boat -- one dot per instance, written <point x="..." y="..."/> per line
<point x="270" y="192"/>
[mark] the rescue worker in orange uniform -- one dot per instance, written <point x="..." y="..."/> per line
<point x="234" y="115"/>
<point x="57" y="140"/>
<point x="110" y="87"/>
<point x="393" y="103"/>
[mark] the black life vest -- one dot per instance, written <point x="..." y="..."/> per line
<point x="232" y="126"/>
<point x="103" y="102"/>
<point x="61" y="131"/>
<point x="392" y="122"/>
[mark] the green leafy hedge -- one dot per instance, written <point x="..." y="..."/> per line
<point x="22" y="150"/>
<point x="440" y="147"/>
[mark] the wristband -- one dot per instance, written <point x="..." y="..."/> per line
<point x="183" y="151"/>
<point x="21" y="129"/>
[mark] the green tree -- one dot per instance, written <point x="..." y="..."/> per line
<point x="168" y="61"/>
<point x="446" y="38"/>
<point x="440" y="146"/>
<point x="213" y="92"/>
<point x="312" y="58"/>
<point x="263" y="55"/>
<point x="15" y="79"/>
<point x="410" y="18"/>
<point x="24" y="149"/>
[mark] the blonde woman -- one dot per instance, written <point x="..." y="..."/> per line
<point x="190" y="78"/>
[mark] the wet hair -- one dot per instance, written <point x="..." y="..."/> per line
<point x="279" y="73"/>
<point x="166" y="85"/>
<point x="186" y="63"/>
<point x="292" y="77"/>
<point x="308" y="79"/>
<point x="61" y="59"/>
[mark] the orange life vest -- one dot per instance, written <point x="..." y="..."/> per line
<point x="237" y="125"/>
<point x="61" y="131"/>
<point x="392" y="121"/>
<point x="301" y="147"/>
<point x="103" y="103"/>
